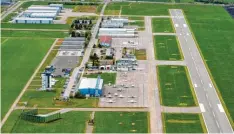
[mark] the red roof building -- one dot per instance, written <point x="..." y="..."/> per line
<point x="105" y="40"/>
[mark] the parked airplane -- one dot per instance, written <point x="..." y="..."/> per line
<point x="132" y="101"/>
<point x="111" y="101"/>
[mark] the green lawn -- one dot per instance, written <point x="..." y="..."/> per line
<point x="71" y="122"/>
<point x="137" y="23"/>
<point x="175" y="89"/>
<point x="37" y="34"/>
<point x="183" y="123"/>
<point x="107" y="77"/>
<point x="20" y="57"/>
<point x="9" y="17"/>
<point x="167" y="48"/>
<point x="35" y="26"/>
<point x="162" y="25"/>
<point x="135" y="18"/>
<point x="121" y="122"/>
<point x="29" y="3"/>
<point x="45" y="99"/>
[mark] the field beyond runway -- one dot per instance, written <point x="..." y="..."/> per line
<point x="20" y="57"/>
<point x="175" y="89"/>
<point x="183" y="123"/>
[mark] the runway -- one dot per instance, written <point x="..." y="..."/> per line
<point x="214" y="116"/>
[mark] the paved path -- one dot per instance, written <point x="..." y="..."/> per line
<point x="89" y="127"/>
<point x="153" y="93"/>
<point x="180" y="109"/>
<point x="11" y="9"/>
<point x="164" y="33"/>
<point x="26" y="86"/>
<point x="140" y="16"/>
<point x="214" y="116"/>
<point x="34" y="29"/>
<point x="162" y="62"/>
<point x="92" y="109"/>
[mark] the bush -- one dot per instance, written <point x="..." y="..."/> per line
<point x="79" y="95"/>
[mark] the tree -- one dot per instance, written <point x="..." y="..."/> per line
<point x="73" y="34"/>
<point x="79" y="95"/>
<point x="99" y="45"/>
<point x="94" y="46"/>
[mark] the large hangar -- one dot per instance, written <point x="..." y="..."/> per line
<point x="91" y="86"/>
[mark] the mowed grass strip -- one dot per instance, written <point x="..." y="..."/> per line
<point x="35" y="26"/>
<point x="20" y="57"/>
<point x="183" y="123"/>
<point x="167" y="48"/>
<point x="162" y="25"/>
<point x="175" y="89"/>
<point x="71" y="122"/>
<point x="121" y="122"/>
<point x="107" y="77"/>
<point x="36" y="34"/>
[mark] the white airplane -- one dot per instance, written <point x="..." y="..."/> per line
<point x="133" y="85"/>
<point x="120" y="89"/>
<point x="111" y="101"/>
<point x="109" y="96"/>
<point x="132" y="96"/>
<point x="132" y="101"/>
<point x="121" y="96"/>
<point x="114" y="86"/>
<point x="116" y="94"/>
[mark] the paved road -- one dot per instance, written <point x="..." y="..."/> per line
<point x="26" y="86"/>
<point x="163" y="62"/>
<point x="215" y="118"/>
<point x="34" y="29"/>
<point x="10" y="10"/>
<point x="85" y="57"/>
<point x="64" y="110"/>
<point x="153" y="93"/>
<point x="164" y="33"/>
<point x="180" y="109"/>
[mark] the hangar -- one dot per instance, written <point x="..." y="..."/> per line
<point x="91" y="86"/>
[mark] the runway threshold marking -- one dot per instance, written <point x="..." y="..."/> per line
<point x="220" y="108"/>
<point x="202" y="107"/>
<point x="210" y="85"/>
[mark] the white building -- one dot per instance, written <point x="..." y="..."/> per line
<point x="26" y="20"/>
<point x="43" y="15"/>
<point x="57" y="5"/>
<point x="117" y="32"/>
<point x="44" y="8"/>
<point x="28" y="12"/>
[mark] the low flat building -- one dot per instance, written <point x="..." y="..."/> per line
<point x="43" y="15"/>
<point x="105" y="41"/>
<point x="106" y="64"/>
<point x="28" y="12"/>
<point x="126" y="64"/>
<point x="35" y="7"/>
<point x="60" y="6"/>
<point x="91" y="86"/>
<point x="26" y="20"/>
<point x="117" y="32"/>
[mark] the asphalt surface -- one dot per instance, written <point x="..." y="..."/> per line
<point x="214" y="116"/>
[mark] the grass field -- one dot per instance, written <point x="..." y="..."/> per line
<point x="20" y="57"/>
<point x="166" y="48"/>
<point x="162" y="25"/>
<point x="175" y="89"/>
<point x="121" y="122"/>
<point x="29" y="3"/>
<point x="183" y="123"/>
<point x="9" y="17"/>
<point x="37" y="34"/>
<point x="71" y="122"/>
<point x="35" y="26"/>
<point x="107" y="77"/>
<point x="140" y="54"/>
<point x="88" y="8"/>
<point x="137" y="23"/>
<point x="217" y="48"/>
<point x="135" y="18"/>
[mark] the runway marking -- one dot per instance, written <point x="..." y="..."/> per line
<point x="217" y="124"/>
<point x="206" y="95"/>
<point x="195" y="85"/>
<point x="184" y="25"/>
<point x="187" y="33"/>
<point x="213" y="114"/>
<point x="220" y="108"/>
<point x="202" y="107"/>
<point x="209" y="104"/>
<point x="176" y="25"/>
<point x="210" y="85"/>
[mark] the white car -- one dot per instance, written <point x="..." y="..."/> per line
<point x="132" y="101"/>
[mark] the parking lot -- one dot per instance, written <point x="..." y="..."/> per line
<point x="130" y="89"/>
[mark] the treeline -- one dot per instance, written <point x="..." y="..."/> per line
<point x="75" y="3"/>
